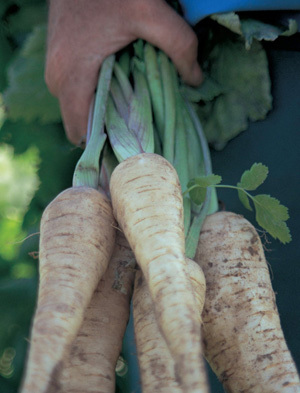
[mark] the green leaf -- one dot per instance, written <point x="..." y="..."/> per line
<point x="230" y="20"/>
<point x="197" y="194"/>
<point x="292" y="28"/>
<point x="27" y="96"/>
<point x="28" y="15"/>
<point x="254" y="177"/>
<point x="243" y="197"/>
<point x="207" y="91"/>
<point x="273" y="206"/>
<point x="6" y="53"/>
<point x="255" y="29"/>
<point x="245" y="81"/>
<point x="209" y="180"/>
<point x="200" y="184"/>
<point x="271" y="216"/>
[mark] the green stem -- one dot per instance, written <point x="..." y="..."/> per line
<point x="181" y="153"/>
<point x="192" y="239"/>
<point x="203" y="141"/>
<point x="123" y="82"/>
<point x="195" y="158"/>
<point x="218" y="186"/>
<point x="87" y="169"/>
<point x="169" y="107"/>
<point x="195" y="229"/>
<point x="124" y="63"/>
<point x="155" y="87"/>
<point x="119" y="99"/>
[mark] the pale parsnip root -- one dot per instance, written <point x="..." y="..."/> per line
<point x="91" y="364"/>
<point x="157" y="367"/>
<point x="243" y="339"/>
<point x="76" y="242"/>
<point x="147" y="203"/>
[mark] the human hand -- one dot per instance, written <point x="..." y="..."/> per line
<point x="81" y="34"/>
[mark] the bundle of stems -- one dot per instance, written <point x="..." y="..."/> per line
<point x="148" y="112"/>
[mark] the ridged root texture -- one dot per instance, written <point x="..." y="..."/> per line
<point x="243" y="339"/>
<point x="76" y="242"/>
<point x="91" y="364"/>
<point x="157" y="369"/>
<point x="147" y="203"/>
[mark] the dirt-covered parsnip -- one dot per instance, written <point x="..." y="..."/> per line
<point x="95" y="351"/>
<point x="157" y="368"/>
<point x="77" y="235"/>
<point x="243" y="339"/>
<point x="147" y="203"/>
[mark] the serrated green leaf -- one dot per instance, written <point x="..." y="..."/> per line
<point x="243" y="197"/>
<point x="244" y="78"/>
<point x="271" y="216"/>
<point x="198" y="193"/>
<point x="273" y="206"/>
<point x="209" y="180"/>
<point x="254" y="177"/>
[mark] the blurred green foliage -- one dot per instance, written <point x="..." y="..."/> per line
<point x="36" y="163"/>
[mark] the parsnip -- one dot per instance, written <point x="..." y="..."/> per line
<point x="243" y="339"/>
<point x="76" y="242"/>
<point x="91" y="364"/>
<point x="147" y="203"/>
<point x="157" y="368"/>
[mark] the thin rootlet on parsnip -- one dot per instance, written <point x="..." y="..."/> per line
<point x="243" y="339"/>
<point x="147" y="203"/>
<point x="76" y="242"/>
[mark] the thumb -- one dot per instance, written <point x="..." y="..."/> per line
<point x="160" y="25"/>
